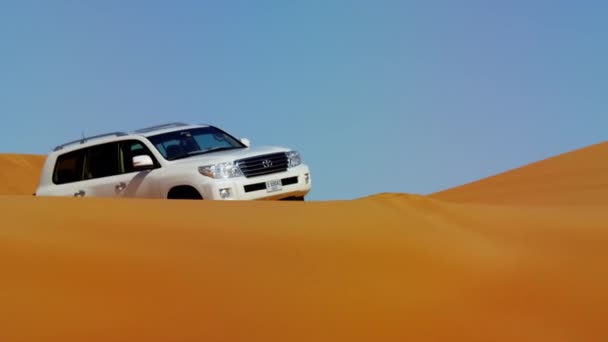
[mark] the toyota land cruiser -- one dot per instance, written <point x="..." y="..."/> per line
<point x="175" y="161"/>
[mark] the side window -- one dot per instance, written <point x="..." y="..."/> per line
<point x="130" y="149"/>
<point x="69" y="168"/>
<point x="102" y="161"/>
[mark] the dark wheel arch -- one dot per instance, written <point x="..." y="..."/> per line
<point x="294" y="198"/>
<point x="184" y="192"/>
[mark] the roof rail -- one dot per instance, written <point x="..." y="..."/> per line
<point x="157" y="127"/>
<point x="84" y="140"/>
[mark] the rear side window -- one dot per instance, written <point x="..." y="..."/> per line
<point x="68" y="168"/>
<point x="102" y="161"/>
<point x="99" y="161"/>
<point x="89" y="163"/>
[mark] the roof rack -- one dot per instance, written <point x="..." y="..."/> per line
<point x="84" y="140"/>
<point x="157" y="127"/>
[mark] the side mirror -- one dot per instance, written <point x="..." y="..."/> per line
<point x="142" y="162"/>
<point x="246" y="142"/>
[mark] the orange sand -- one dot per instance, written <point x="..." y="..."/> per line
<point x="19" y="174"/>
<point x="575" y="178"/>
<point x="518" y="257"/>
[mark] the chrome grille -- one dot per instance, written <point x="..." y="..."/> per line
<point x="263" y="165"/>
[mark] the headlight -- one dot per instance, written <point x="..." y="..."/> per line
<point x="293" y="159"/>
<point x="221" y="170"/>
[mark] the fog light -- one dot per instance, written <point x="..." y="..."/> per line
<point x="307" y="178"/>
<point x="225" y="193"/>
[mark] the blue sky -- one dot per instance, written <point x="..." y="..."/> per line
<point x="379" y="96"/>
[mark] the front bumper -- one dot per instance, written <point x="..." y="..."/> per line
<point x="294" y="182"/>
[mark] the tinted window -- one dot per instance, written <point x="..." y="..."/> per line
<point x="99" y="161"/>
<point x="68" y="168"/>
<point x="208" y="141"/>
<point x="102" y="161"/>
<point x="185" y="143"/>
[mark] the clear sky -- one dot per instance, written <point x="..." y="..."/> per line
<point x="379" y="96"/>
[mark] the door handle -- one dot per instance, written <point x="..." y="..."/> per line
<point x="121" y="186"/>
<point x="79" y="193"/>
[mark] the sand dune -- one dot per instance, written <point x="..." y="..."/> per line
<point x="19" y="174"/>
<point x="391" y="267"/>
<point x="575" y="178"/>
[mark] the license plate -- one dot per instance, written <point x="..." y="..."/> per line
<point x="274" y="185"/>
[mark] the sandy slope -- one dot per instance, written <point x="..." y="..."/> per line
<point x="19" y="174"/>
<point x="389" y="267"/>
<point x="575" y="178"/>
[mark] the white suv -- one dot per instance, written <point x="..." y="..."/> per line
<point x="175" y="161"/>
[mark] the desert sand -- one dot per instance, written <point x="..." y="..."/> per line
<point x="19" y="174"/>
<point x="521" y="256"/>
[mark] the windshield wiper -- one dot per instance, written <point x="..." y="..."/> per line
<point x="217" y="149"/>
<point x="197" y="152"/>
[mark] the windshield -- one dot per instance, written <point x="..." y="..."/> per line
<point x="190" y="142"/>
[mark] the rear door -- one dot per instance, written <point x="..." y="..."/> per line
<point x="68" y="174"/>
<point x="101" y="170"/>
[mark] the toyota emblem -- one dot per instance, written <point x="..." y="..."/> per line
<point x="267" y="163"/>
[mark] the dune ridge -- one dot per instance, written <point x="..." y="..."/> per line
<point x="388" y="267"/>
<point x="578" y="177"/>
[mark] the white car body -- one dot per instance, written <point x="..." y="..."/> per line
<point x="158" y="181"/>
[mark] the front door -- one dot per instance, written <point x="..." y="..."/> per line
<point x="112" y="174"/>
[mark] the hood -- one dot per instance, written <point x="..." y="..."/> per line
<point x="229" y="155"/>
